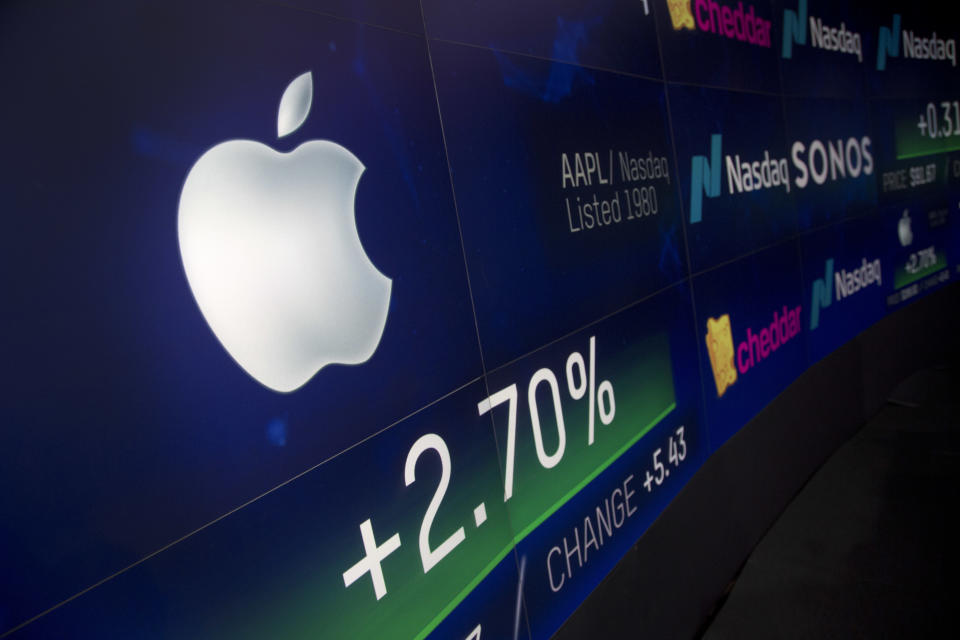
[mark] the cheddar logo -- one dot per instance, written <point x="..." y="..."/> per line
<point x="728" y="362"/>
<point x="721" y="20"/>
<point x="680" y="14"/>
<point x="720" y="349"/>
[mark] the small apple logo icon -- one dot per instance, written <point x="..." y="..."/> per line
<point x="270" y="248"/>
<point x="904" y="232"/>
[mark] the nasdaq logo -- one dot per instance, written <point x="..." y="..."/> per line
<point x="914" y="47"/>
<point x="743" y="175"/>
<point x="844" y="283"/>
<point x="705" y="177"/>
<point x="822" y="36"/>
<point x="888" y="43"/>
<point x="822" y="294"/>
<point x="794" y="28"/>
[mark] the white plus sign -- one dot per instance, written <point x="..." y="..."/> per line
<point x="371" y="562"/>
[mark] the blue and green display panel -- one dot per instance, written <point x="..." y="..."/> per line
<point x="330" y="319"/>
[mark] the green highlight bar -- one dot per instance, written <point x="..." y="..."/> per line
<point x="902" y="278"/>
<point x="920" y="154"/>
<point x="465" y="592"/>
<point x="600" y="469"/>
<point x="533" y="525"/>
<point x="910" y="144"/>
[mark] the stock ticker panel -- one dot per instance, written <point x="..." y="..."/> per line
<point x="558" y="230"/>
<point x="377" y="318"/>
<point x="177" y="284"/>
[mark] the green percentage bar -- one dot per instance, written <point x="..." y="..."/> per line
<point x="912" y="141"/>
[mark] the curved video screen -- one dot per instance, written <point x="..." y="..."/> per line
<point x="406" y="318"/>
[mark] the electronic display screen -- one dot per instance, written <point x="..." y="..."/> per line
<point x="406" y="319"/>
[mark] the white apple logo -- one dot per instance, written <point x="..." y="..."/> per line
<point x="904" y="232"/>
<point x="270" y="248"/>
